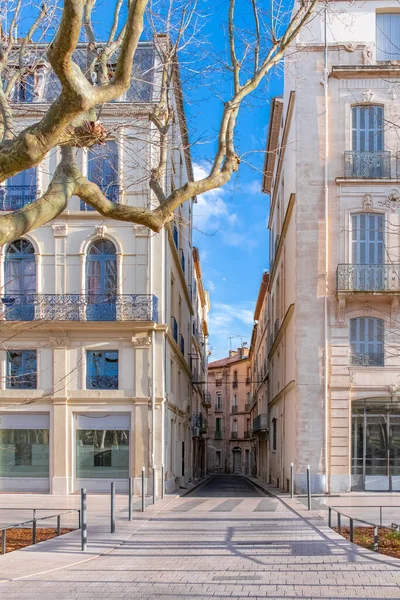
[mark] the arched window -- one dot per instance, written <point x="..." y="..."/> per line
<point x="20" y="280"/>
<point x="101" y="278"/>
<point x="367" y="341"/>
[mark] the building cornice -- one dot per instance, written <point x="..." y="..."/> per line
<point x="282" y="151"/>
<point x="285" y="227"/>
<point x="281" y="331"/>
<point x="366" y="71"/>
<point x="272" y="143"/>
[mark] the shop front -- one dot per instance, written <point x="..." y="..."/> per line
<point x="376" y="444"/>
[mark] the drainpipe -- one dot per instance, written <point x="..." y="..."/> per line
<point x="326" y="201"/>
<point x="153" y="361"/>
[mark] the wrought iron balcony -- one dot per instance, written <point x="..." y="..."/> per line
<point x="260" y="423"/>
<point x="218" y="382"/>
<point x="27" y="381"/>
<point x="79" y="307"/>
<point x="174" y="327"/>
<point x="368" y="278"/>
<point x="235" y="383"/>
<point x="367" y="165"/>
<point x="218" y="435"/>
<point x="218" y="408"/>
<point x="14" y="197"/>
<point x="102" y="382"/>
<point x="247" y="407"/>
<point x="368" y="359"/>
<point x="234" y="435"/>
<point x="199" y="422"/>
<point x="248" y="380"/>
<point x="234" y="408"/>
<point x="207" y="398"/>
<point x="247" y="434"/>
<point x="111" y="192"/>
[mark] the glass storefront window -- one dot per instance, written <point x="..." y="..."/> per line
<point x="102" y="454"/>
<point x="24" y="452"/>
<point x="376" y="444"/>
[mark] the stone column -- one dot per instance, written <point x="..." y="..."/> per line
<point x="141" y="413"/>
<point x="61" y="451"/>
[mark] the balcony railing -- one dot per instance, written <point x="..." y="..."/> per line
<point x="207" y="398"/>
<point x="260" y="423"/>
<point x="174" y="329"/>
<point x="235" y="383"/>
<point x="102" y="382"/>
<point x="368" y="278"/>
<point x="368" y="359"/>
<point x="218" y="408"/>
<point x="111" y="192"/>
<point x="247" y="407"/>
<point x="234" y="408"/>
<point x="248" y="380"/>
<point x="367" y="165"/>
<point x="79" y="307"/>
<point x="218" y="382"/>
<point x="247" y="434"/>
<point x="234" y="435"/>
<point x="218" y="435"/>
<point x="14" y="197"/>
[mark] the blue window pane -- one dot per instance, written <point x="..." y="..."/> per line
<point x="21" y="369"/>
<point x="102" y="370"/>
<point x="19" y="190"/>
<point x="103" y="170"/>
<point x="367" y="341"/>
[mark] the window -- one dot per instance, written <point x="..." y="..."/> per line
<point x="21" y="369"/>
<point x="20" y="281"/>
<point x="19" y="190"/>
<point x="234" y="426"/>
<point x="218" y="459"/>
<point x="274" y="429"/>
<point x="368" y="238"/>
<point x="102" y="370"/>
<point x="102" y="453"/>
<point x="218" y="427"/>
<point x="367" y="341"/>
<point x="24" y="452"/>
<point x="219" y="401"/>
<point x="172" y="377"/>
<point x="101" y="281"/>
<point x="388" y="36"/>
<point x="103" y="170"/>
<point x="235" y="402"/>
<point x="24" y="89"/>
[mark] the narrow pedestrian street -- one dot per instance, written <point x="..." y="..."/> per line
<point x="226" y="539"/>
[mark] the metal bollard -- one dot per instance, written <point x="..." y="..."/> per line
<point x="112" y="507"/>
<point x="83" y="519"/>
<point x="154" y="484"/>
<point x="130" y="491"/>
<point x="375" y="539"/>
<point x="4" y="541"/>
<point x="309" y="487"/>
<point x="58" y="524"/>
<point x="351" y="530"/>
<point x="143" y="495"/>
<point x="34" y="527"/>
<point x="291" y="480"/>
<point x="381" y="515"/>
<point x="339" y="523"/>
<point x="329" y="516"/>
<point x="162" y="481"/>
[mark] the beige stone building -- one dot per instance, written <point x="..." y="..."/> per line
<point x="332" y="170"/>
<point x="96" y="376"/>
<point x="229" y="384"/>
<point x="258" y="356"/>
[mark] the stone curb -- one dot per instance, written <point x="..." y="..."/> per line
<point x="195" y="485"/>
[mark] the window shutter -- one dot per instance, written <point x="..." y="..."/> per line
<point x="388" y="36"/>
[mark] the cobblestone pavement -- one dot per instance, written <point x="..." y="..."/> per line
<point x="224" y="540"/>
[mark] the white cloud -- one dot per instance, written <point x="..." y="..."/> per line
<point x="228" y="320"/>
<point x="210" y="206"/>
<point x="210" y="286"/>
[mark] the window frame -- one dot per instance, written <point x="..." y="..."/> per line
<point x="24" y="359"/>
<point x="89" y="361"/>
<point x="360" y="349"/>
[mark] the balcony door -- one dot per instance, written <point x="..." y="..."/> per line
<point x="101" y="275"/>
<point x="20" y="281"/>
<point x="19" y="190"/>
<point x="368" y="252"/>
<point x="368" y="159"/>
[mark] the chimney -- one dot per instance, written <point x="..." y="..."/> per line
<point x="232" y="353"/>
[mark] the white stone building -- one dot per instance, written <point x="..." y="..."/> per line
<point x="98" y="315"/>
<point x="332" y="170"/>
